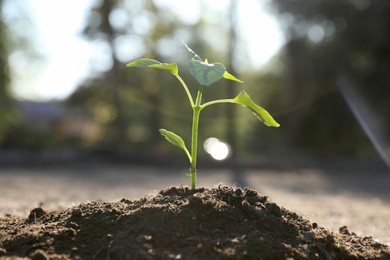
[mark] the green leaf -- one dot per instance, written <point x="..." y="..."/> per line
<point x="142" y="63"/>
<point x="199" y="72"/>
<point x="245" y="100"/>
<point x="229" y="76"/>
<point x="151" y="63"/>
<point x="206" y="74"/>
<point x="175" y="140"/>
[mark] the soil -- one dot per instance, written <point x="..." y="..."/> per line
<point x="209" y="223"/>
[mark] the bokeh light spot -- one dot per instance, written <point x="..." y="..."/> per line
<point x="217" y="149"/>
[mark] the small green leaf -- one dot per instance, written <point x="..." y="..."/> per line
<point x="245" y="100"/>
<point x="142" y="63"/>
<point x="200" y="70"/>
<point x="175" y="140"/>
<point x="206" y="74"/>
<point x="229" y="76"/>
<point x="151" y="63"/>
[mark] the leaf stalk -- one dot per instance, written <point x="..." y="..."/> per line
<point x="186" y="89"/>
<point x="218" y="101"/>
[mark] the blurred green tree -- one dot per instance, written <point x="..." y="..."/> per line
<point x="326" y="39"/>
<point x="7" y="112"/>
<point x="17" y="50"/>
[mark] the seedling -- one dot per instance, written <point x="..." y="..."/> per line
<point x="205" y="74"/>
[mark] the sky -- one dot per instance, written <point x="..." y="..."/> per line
<point x="67" y="56"/>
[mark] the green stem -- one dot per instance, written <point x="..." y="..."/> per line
<point x="219" y="101"/>
<point x="194" y="142"/>
<point x="186" y="89"/>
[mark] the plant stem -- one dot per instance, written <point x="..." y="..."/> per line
<point x="194" y="142"/>
<point x="185" y="88"/>
<point x="219" y="101"/>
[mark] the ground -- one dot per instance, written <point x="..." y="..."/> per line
<point x="101" y="211"/>
<point x="178" y="223"/>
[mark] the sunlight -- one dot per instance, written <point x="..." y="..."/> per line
<point x="369" y="121"/>
<point x="260" y="31"/>
<point x="218" y="150"/>
<point x="66" y="54"/>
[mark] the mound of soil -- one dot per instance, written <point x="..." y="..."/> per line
<point x="218" y="223"/>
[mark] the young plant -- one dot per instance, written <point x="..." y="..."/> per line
<point x="205" y="74"/>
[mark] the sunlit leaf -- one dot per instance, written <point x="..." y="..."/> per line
<point x="206" y="74"/>
<point x="200" y="70"/>
<point x="229" y="76"/>
<point x="175" y="140"/>
<point x="142" y="63"/>
<point x="245" y="100"/>
<point x="151" y="63"/>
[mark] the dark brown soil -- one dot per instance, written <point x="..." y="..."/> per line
<point x="177" y="223"/>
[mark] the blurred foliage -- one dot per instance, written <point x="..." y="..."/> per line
<point x="130" y="106"/>
<point x="299" y="86"/>
<point x="7" y="112"/>
<point x="327" y="39"/>
<point x="123" y="109"/>
<point x="17" y="50"/>
<point x="23" y="136"/>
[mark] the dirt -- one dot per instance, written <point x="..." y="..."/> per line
<point x="209" y="223"/>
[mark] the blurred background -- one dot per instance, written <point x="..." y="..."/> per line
<point x="321" y="68"/>
<point x="77" y="125"/>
